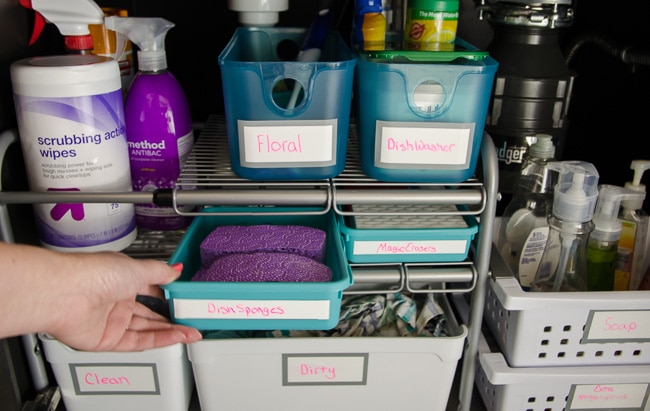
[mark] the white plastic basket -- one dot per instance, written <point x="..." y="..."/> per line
<point x="568" y="328"/>
<point x="561" y="388"/>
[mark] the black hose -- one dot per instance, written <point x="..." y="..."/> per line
<point x="627" y="54"/>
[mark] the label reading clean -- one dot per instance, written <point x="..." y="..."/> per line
<point x="115" y="378"/>
<point x="608" y="397"/>
<point x="621" y="326"/>
<point x="252" y="309"/>
<point x="409" y="247"/>
<point x="277" y="144"/>
<point x="424" y="144"/>
<point x="324" y="369"/>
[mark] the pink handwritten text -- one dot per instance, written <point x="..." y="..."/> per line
<point x="246" y="309"/>
<point x="385" y="248"/>
<point x="95" y="379"/>
<point x="328" y="372"/>
<point x="610" y="325"/>
<point x="393" y="144"/>
<point x="267" y="144"/>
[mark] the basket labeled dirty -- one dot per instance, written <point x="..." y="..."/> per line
<point x="422" y="114"/>
<point x="251" y="304"/>
<point x="156" y="379"/>
<point x="286" y="119"/>
<point x="598" y="387"/>
<point x="348" y="373"/>
<point x="539" y="329"/>
<point x="371" y="237"/>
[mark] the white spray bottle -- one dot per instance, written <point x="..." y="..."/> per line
<point x="632" y="244"/>
<point x="72" y="130"/>
<point x="603" y="241"/>
<point x="563" y="266"/>
<point x="158" y="120"/>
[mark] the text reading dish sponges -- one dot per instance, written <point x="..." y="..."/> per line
<point x="236" y="239"/>
<point x="264" y="267"/>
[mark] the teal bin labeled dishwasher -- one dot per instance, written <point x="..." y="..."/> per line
<point x="422" y="113"/>
<point x="271" y="137"/>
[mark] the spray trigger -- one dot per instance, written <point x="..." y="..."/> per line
<point x="39" y="21"/>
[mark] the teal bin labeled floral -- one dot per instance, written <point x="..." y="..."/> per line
<point x="422" y="113"/>
<point x="286" y="119"/>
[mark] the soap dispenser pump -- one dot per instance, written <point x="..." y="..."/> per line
<point x="632" y="244"/>
<point x="563" y="266"/>
<point x="603" y="240"/>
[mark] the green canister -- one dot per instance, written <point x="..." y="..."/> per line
<point x="431" y="25"/>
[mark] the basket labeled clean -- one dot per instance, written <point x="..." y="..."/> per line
<point x="539" y="329"/>
<point x="156" y="379"/>
<point x="321" y="373"/>
<point x="422" y="114"/>
<point x="253" y="305"/>
<point x="411" y="236"/>
<point x="286" y="119"/>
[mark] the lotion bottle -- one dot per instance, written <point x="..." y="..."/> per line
<point x="632" y="244"/>
<point x="158" y="122"/>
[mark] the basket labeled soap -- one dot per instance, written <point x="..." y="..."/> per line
<point x="251" y="269"/>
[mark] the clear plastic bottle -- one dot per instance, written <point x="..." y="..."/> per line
<point x="603" y="241"/>
<point x="564" y="263"/>
<point x="524" y="225"/>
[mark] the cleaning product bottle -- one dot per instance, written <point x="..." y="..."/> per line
<point x="632" y="244"/>
<point x="524" y="225"/>
<point x="431" y="25"/>
<point x="71" y="123"/>
<point x="158" y="122"/>
<point x="603" y="241"/>
<point x="369" y="25"/>
<point x="105" y="44"/>
<point x="564" y="263"/>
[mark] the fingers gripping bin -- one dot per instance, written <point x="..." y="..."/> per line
<point x="422" y="114"/>
<point x="269" y="136"/>
<point x="209" y="305"/>
<point x="157" y="379"/>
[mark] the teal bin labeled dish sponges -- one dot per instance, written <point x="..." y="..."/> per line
<point x="422" y="114"/>
<point x="272" y="136"/>
<point x="283" y="305"/>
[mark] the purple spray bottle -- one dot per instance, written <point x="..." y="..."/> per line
<point x="158" y="122"/>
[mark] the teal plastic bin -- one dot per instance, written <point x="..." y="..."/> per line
<point x="422" y="114"/>
<point x="269" y="138"/>
<point x="257" y="305"/>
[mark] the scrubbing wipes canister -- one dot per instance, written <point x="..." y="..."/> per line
<point x="72" y="130"/>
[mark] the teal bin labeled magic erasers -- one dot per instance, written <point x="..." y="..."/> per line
<point x="422" y="113"/>
<point x="286" y="119"/>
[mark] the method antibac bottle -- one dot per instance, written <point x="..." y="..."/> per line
<point x="158" y="122"/>
<point x="71" y="123"/>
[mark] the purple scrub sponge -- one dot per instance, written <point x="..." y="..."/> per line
<point x="264" y="267"/>
<point x="294" y="239"/>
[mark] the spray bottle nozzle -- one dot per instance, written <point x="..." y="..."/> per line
<point x="148" y="33"/>
<point x="71" y="17"/>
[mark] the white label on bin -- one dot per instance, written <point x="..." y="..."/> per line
<point x="252" y="309"/>
<point x="620" y="326"/>
<point x="324" y="369"/>
<point x="409" y="247"/>
<point x="115" y="378"/>
<point x="279" y="144"/>
<point x="427" y="145"/>
<point x="608" y="397"/>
